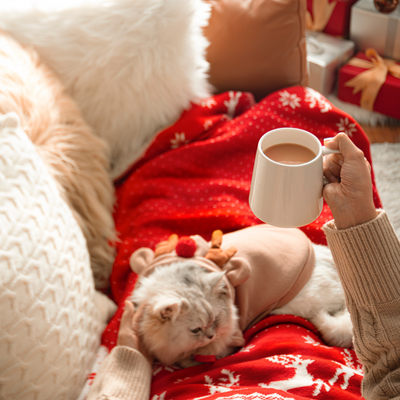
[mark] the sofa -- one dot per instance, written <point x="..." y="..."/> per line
<point x="180" y="92"/>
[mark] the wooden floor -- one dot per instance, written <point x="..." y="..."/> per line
<point x="381" y="134"/>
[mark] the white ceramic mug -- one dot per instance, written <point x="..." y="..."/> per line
<point x="284" y="195"/>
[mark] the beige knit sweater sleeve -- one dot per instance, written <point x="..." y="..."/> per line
<point x="368" y="261"/>
<point x="124" y="375"/>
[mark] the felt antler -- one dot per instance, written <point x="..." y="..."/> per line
<point x="216" y="254"/>
<point x="216" y="239"/>
<point x="167" y="246"/>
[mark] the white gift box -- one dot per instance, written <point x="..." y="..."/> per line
<point x="325" y="55"/>
<point x="370" y="28"/>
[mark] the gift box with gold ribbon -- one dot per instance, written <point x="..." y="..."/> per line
<point x="371" y="28"/>
<point x="329" y="16"/>
<point x="372" y="82"/>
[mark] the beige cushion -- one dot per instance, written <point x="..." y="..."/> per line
<point x="257" y="45"/>
<point x="76" y="158"/>
<point x="50" y="320"/>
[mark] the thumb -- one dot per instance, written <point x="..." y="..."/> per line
<point x="127" y="315"/>
<point x="346" y="147"/>
<point x="138" y="316"/>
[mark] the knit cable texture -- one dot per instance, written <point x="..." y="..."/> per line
<point x="368" y="262"/>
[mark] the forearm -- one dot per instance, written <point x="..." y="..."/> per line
<point x="368" y="262"/>
<point x="124" y="375"/>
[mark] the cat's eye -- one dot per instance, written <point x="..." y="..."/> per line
<point x="197" y="330"/>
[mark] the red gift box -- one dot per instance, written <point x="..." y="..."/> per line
<point x="339" y="21"/>
<point x="387" y="100"/>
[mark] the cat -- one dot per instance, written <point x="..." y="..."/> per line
<point x="188" y="310"/>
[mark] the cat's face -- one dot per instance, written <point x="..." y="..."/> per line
<point x="187" y="307"/>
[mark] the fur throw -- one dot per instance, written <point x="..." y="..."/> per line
<point x="131" y="66"/>
<point x="77" y="159"/>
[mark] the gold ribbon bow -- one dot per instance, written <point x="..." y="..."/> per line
<point x="322" y="11"/>
<point x="370" y="82"/>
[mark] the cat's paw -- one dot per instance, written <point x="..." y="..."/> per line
<point x="188" y="362"/>
<point x="237" y="339"/>
<point x="229" y="350"/>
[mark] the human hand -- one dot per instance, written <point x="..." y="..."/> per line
<point x="349" y="192"/>
<point x="128" y="334"/>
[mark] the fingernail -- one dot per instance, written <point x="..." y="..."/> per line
<point x="328" y="139"/>
<point x="341" y="162"/>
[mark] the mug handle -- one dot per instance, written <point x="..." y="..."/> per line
<point x="325" y="152"/>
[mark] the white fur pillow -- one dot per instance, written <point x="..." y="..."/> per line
<point x="132" y="66"/>
<point x="50" y="325"/>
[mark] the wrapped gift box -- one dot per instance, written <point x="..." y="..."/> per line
<point x="339" y="21"/>
<point x="388" y="99"/>
<point x="370" y="28"/>
<point x="325" y="55"/>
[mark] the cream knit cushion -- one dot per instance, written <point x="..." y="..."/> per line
<point x="50" y="327"/>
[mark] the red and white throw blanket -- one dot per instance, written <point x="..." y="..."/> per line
<point x="194" y="178"/>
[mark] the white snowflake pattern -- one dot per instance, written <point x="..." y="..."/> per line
<point x="346" y="126"/>
<point x="182" y="379"/>
<point x="232" y="103"/>
<point x="179" y="140"/>
<point x="160" y="397"/>
<point x="247" y="348"/>
<point x="231" y="378"/>
<point x="209" y="102"/>
<point x="227" y="381"/>
<point x="310" y="340"/>
<point x="159" y="368"/>
<point x="207" y="124"/>
<point x="350" y="362"/>
<point x="316" y="99"/>
<point x="291" y="100"/>
<point x="254" y="396"/>
<point x="347" y="374"/>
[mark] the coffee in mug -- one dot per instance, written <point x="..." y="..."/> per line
<point x="287" y="183"/>
<point x="289" y="153"/>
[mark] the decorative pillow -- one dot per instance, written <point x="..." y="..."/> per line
<point x="257" y="45"/>
<point x="132" y="66"/>
<point x="50" y="325"/>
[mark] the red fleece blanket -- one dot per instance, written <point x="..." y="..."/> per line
<point x="194" y="178"/>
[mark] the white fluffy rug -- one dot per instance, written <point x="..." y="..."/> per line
<point x="386" y="162"/>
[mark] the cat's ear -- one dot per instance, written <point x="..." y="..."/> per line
<point x="168" y="308"/>
<point x="140" y="259"/>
